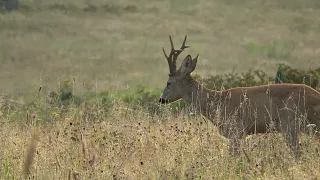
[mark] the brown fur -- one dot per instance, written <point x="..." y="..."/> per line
<point x="248" y="110"/>
<point x="242" y="111"/>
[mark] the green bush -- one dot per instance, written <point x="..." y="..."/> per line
<point x="285" y="74"/>
<point x="103" y="101"/>
<point x="64" y="95"/>
<point x="231" y="80"/>
<point x="9" y="5"/>
<point x="147" y="98"/>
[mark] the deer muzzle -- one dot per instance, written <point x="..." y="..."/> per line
<point x="163" y="101"/>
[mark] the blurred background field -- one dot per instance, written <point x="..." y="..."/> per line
<point x="101" y="71"/>
<point x="118" y="43"/>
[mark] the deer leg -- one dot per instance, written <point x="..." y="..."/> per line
<point x="290" y="129"/>
<point x="236" y="135"/>
<point x="234" y="144"/>
<point x="234" y="148"/>
<point x="315" y="119"/>
<point x="313" y="126"/>
<point x="238" y="126"/>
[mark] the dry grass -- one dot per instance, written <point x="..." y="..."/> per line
<point x="118" y="43"/>
<point x="129" y="145"/>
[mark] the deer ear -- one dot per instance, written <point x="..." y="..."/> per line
<point x="188" y="65"/>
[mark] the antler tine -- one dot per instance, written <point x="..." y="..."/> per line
<point x="165" y="54"/>
<point x="177" y="52"/>
<point x="183" y="46"/>
<point x="172" y="57"/>
<point x="169" y="58"/>
<point x="171" y="43"/>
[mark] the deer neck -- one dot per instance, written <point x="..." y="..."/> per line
<point x="201" y="99"/>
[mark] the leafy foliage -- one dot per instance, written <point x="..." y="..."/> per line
<point x="286" y="74"/>
<point x="64" y="95"/>
<point x="231" y="80"/>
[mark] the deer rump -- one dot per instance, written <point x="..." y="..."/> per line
<point x="286" y="108"/>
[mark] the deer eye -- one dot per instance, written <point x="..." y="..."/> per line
<point x="168" y="84"/>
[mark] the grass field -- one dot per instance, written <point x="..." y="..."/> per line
<point x="117" y="45"/>
<point x="119" y="42"/>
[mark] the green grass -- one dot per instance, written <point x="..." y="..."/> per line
<point x="110" y="47"/>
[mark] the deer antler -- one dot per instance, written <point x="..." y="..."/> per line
<point x="172" y="58"/>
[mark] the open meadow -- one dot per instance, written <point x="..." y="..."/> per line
<point x="80" y="82"/>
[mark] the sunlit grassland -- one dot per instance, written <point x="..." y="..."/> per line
<point x="125" y="144"/>
<point x="116" y="45"/>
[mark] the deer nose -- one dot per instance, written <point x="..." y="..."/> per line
<point x="163" y="101"/>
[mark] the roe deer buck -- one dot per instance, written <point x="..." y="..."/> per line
<point x="242" y="111"/>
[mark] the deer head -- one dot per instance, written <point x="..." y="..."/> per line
<point x="179" y="81"/>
